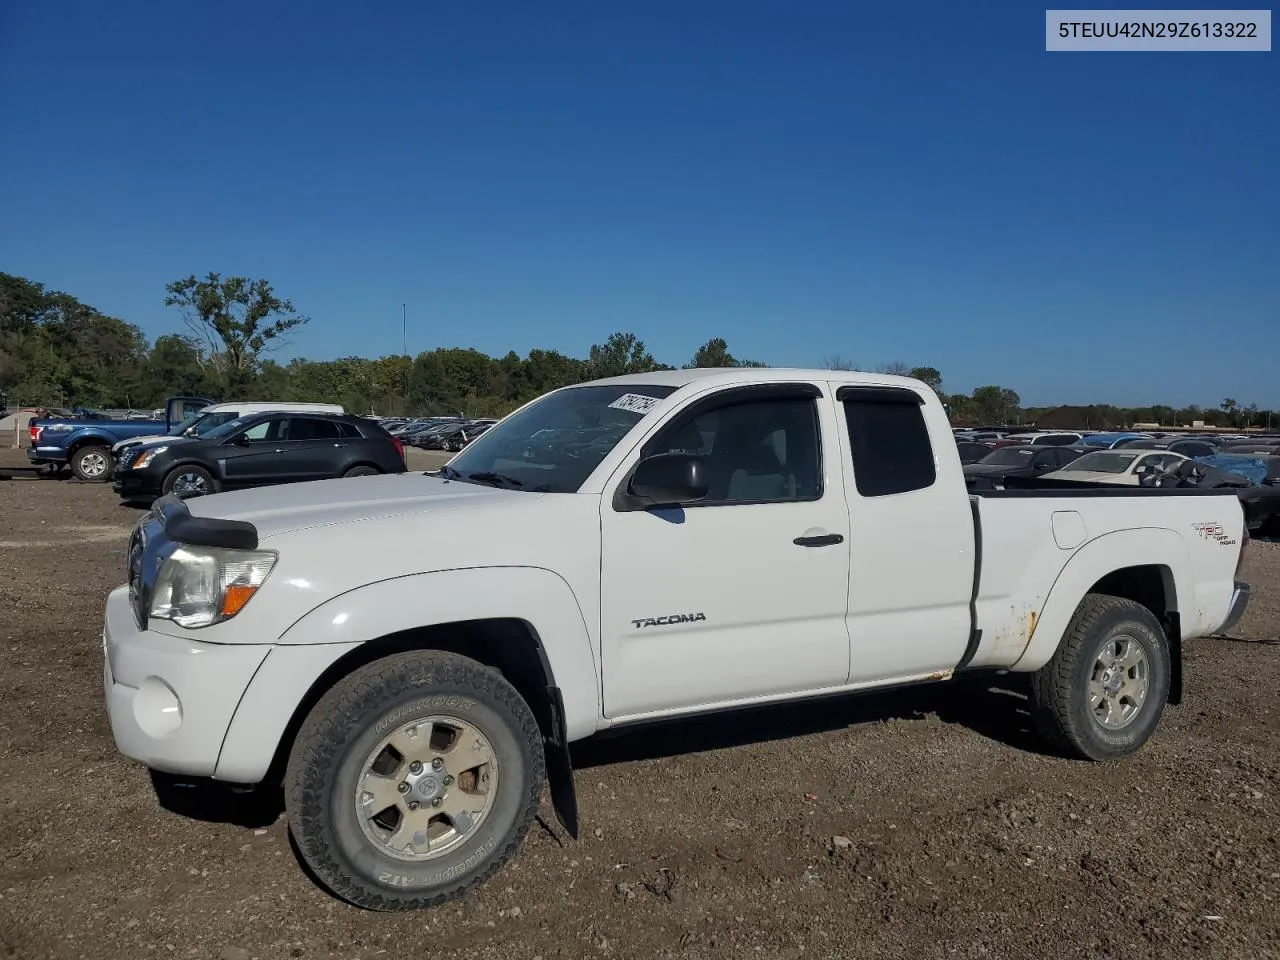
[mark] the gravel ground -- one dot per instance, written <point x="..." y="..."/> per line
<point x="919" y="824"/>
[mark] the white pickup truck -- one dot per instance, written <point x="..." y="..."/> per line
<point x="411" y="655"/>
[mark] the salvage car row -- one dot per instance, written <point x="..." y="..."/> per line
<point x="1248" y="465"/>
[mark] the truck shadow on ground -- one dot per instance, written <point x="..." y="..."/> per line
<point x="993" y="706"/>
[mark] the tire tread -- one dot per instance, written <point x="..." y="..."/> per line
<point x="314" y="754"/>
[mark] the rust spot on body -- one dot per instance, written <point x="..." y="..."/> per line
<point x="1032" y="627"/>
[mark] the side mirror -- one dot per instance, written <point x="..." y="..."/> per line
<point x="191" y="432"/>
<point x="666" y="479"/>
<point x="241" y="441"/>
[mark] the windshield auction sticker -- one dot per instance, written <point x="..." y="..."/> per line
<point x="634" y="403"/>
<point x="1188" y="31"/>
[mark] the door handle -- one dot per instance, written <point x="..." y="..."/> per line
<point x="279" y="449"/>
<point x="339" y="444"/>
<point x="822" y="540"/>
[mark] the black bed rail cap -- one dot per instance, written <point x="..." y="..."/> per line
<point x="181" y="526"/>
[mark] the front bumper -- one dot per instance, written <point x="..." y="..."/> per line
<point x="136" y="483"/>
<point x="1239" y="603"/>
<point x="171" y="700"/>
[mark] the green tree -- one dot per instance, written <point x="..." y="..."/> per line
<point x="620" y="354"/>
<point x="236" y="319"/>
<point x="174" y="366"/>
<point x="994" y="405"/>
<point x="928" y="375"/>
<point x="715" y="353"/>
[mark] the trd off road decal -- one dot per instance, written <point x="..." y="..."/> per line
<point x="668" y="620"/>
<point x="1214" y="532"/>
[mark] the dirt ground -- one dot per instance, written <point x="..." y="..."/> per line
<point x="919" y="824"/>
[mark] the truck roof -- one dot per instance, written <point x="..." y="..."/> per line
<point x="711" y="375"/>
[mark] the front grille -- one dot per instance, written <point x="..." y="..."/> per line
<point x="127" y="456"/>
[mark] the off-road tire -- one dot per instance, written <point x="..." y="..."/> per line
<point x="1060" y="698"/>
<point x="90" y="453"/>
<point x="348" y="721"/>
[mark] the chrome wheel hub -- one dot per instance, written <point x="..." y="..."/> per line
<point x="426" y="787"/>
<point x="93" y="464"/>
<point x="1120" y="681"/>
<point x="190" y="484"/>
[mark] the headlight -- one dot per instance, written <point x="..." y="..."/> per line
<point x="146" y="457"/>
<point x="199" y="586"/>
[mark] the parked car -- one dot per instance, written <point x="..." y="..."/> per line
<point x="216" y="414"/>
<point x="1109" y="440"/>
<point x="260" y="449"/>
<point x="1187" y="446"/>
<point x="413" y="655"/>
<point x="1124" y="467"/>
<point x="1024" y="460"/>
<point x="85" y="444"/>
<point x="971" y="451"/>
<point x="422" y="437"/>
<point x="1041" y="439"/>
<point x="1254" y="480"/>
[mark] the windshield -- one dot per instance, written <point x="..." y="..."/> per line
<point x="553" y="445"/>
<point x="1009" y="456"/>
<point x="225" y="430"/>
<point x="1103" y="462"/>
<point x="188" y="423"/>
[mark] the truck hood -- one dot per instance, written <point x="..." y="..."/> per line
<point x="150" y="440"/>
<point x="296" y="506"/>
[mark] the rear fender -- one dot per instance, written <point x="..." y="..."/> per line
<point x="1097" y="558"/>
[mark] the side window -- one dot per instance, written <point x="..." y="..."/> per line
<point x="890" y="445"/>
<point x="263" y="431"/>
<point x="306" y="429"/>
<point x="759" y="451"/>
<point x="1046" y="460"/>
<point x="348" y="431"/>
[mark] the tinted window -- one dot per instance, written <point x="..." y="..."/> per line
<point x="890" y="445"/>
<point x="755" y="452"/>
<point x="1046" y="460"/>
<point x="350" y="431"/>
<point x="307" y="429"/>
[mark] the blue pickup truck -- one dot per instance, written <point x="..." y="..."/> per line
<point x="85" y="444"/>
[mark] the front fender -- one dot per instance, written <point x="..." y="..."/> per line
<point x="1097" y="558"/>
<point x="314" y="642"/>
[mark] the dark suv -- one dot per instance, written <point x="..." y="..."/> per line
<point x="260" y="449"/>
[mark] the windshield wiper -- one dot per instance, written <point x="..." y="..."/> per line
<point x="448" y="473"/>
<point x="492" y="479"/>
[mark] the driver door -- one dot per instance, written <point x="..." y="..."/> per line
<point x="254" y="456"/>
<point x="740" y="595"/>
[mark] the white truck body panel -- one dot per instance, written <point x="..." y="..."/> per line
<point x="747" y="614"/>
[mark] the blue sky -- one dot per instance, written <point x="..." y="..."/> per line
<point x="915" y="182"/>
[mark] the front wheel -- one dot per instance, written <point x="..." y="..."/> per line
<point x="361" y="471"/>
<point x="1102" y="693"/>
<point x="189" y="481"/>
<point x="92" y="464"/>
<point x="413" y="780"/>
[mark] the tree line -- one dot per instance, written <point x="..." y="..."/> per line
<point x="58" y="352"/>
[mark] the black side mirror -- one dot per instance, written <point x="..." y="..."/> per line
<point x="241" y="441"/>
<point x="666" y="479"/>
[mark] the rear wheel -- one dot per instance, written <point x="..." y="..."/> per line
<point x="361" y="471"/>
<point x="413" y="779"/>
<point x="189" y="481"/>
<point x="92" y="464"/>
<point x="1102" y="693"/>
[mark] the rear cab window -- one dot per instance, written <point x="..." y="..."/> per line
<point x="888" y="439"/>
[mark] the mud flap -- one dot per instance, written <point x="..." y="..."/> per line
<point x="564" y="799"/>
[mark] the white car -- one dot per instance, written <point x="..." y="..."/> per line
<point x="410" y="656"/>
<point x="1059" y="438"/>
<point x="215" y="415"/>
<point x="1116" y="466"/>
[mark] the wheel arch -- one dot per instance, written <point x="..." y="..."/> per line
<point x="533" y="633"/>
<point x="1149" y="566"/>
